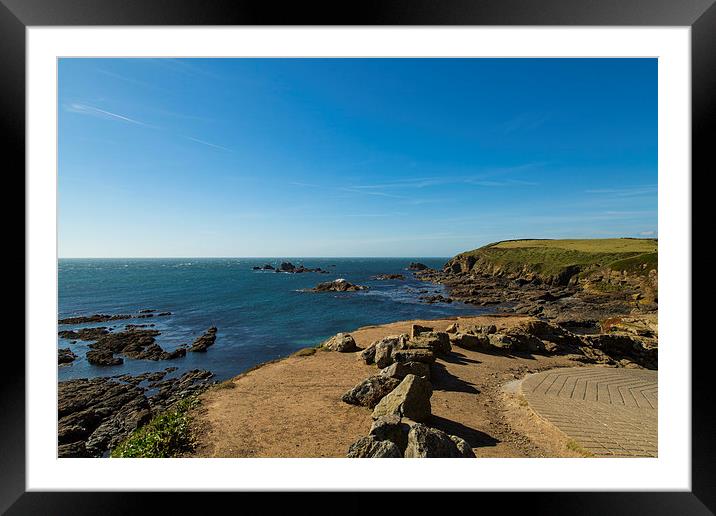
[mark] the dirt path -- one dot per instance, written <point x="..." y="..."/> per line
<point x="293" y="407"/>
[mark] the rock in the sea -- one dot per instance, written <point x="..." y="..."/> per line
<point x="438" y="298"/>
<point x="370" y="391"/>
<point x="425" y="442"/>
<point x="370" y="447"/>
<point x="133" y="343"/>
<point x="95" y="415"/>
<point x="414" y="355"/>
<point x="417" y="329"/>
<point x="202" y="343"/>
<point x="410" y="399"/>
<point x="417" y="266"/>
<point x="84" y="333"/>
<point x="93" y="318"/>
<point x="65" y="356"/>
<point x="389" y="277"/>
<point x="342" y="342"/>
<point x="102" y="357"/>
<point x="391" y="428"/>
<point x="337" y="285"/>
<point x="400" y="370"/>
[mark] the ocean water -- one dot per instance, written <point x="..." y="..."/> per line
<point x="260" y="315"/>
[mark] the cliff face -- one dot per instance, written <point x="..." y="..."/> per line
<point x="600" y="266"/>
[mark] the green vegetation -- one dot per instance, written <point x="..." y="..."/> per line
<point x="577" y="448"/>
<point x="305" y="352"/>
<point x="167" y="435"/>
<point x="550" y="259"/>
<point x="227" y="384"/>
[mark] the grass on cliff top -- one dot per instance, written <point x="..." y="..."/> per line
<point x="590" y="245"/>
<point x="167" y="435"/>
<point x="552" y="256"/>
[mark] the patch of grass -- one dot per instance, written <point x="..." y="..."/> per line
<point x="547" y="258"/>
<point x="305" y="352"/>
<point x="167" y="435"/>
<point x="228" y="384"/>
<point x="577" y="448"/>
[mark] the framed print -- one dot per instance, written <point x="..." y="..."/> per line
<point x="262" y="244"/>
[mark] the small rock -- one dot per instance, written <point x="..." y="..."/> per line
<point x="452" y="328"/>
<point x="341" y="342"/>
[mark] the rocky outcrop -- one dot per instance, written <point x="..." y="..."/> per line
<point x="138" y="344"/>
<point x="370" y="391"/>
<point x="338" y="285"/>
<point x="341" y="342"/>
<point x="425" y="442"/>
<point x="84" y="333"/>
<point x="438" y="298"/>
<point x="205" y="341"/>
<point x="383" y="277"/>
<point x="94" y="415"/>
<point x="410" y="399"/>
<point x="65" y="356"/>
<point x="417" y="266"/>
<point x="93" y="318"/>
<point x="288" y="267"/>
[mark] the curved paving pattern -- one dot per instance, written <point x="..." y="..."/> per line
<point x="608" y="411"/>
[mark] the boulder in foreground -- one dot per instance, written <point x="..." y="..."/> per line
<point x="370" y="447"/>
<point x="425" y="442"/>
<point x="410" y="399"/>
<point x="370" y="391"/>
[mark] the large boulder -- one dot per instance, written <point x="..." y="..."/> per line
<point x="417" y="329"/>
<point x="370" y="447"/>
<point x="341" y="342"/>
<point x="384" y="353"/>
<point x="391" y="428"/>
<point x="436" y="341"/>
<point x="414" y="355"/>
<point x="400" y="370"/>
<point x="370" y="391"/>
<point x="368" y="354"/>
<point x="424" y="442"/>
<point x="470" y="341"/>
<point x="410" y="399"/>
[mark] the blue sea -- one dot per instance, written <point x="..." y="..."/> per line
<point x="260" y="315"/>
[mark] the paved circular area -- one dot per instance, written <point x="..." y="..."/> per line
<point x="608" y="411"/>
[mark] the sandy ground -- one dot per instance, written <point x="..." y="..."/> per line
<point x="293" y="407"/>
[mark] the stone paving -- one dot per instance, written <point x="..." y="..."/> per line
<point x="609" y="412"/>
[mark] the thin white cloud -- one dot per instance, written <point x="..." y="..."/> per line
<point x="209" y="144"/>
<point x="86" y="109"/>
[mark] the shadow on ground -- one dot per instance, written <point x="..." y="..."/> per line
<point x="475" y="438"/>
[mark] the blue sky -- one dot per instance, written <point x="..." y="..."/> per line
<point x="351" y="157"/>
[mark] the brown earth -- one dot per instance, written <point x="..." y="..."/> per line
<point x="293" y="408"/>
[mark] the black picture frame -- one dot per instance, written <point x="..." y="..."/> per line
<point x="700" y="15"/>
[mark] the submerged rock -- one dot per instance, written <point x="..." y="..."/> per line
<point x="205" y="341"/>
<point x="383" y="277"/>
<point x="65" y="356"/>
<point x="338" y="285"/>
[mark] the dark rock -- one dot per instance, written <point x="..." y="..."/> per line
<point x="391" y="428"/>
<point x="417" y="266"/>
<point x="338" y="285"/>
<point x="383" y="277"/>
<point x="400" y="370"/>
<point x="84" y="333"/>
<point x="65" y="356"/>
<point x="202" y="343"/>
<point x="417" y="329"/>
<point x="414" y="355"/>
<point x="93" y="318"/>
<point x="436" y="341"/>
<point x="102" y="357"/>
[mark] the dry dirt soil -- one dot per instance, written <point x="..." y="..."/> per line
<point x="293" y="408"/>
